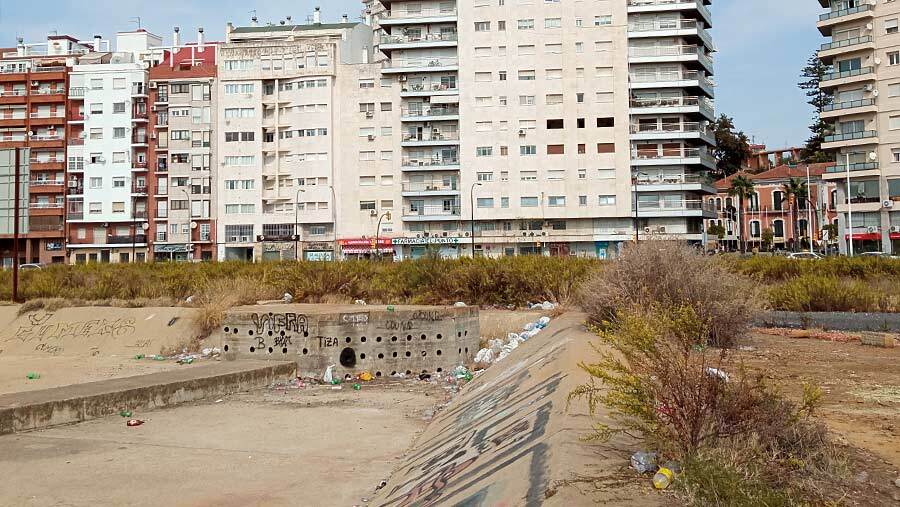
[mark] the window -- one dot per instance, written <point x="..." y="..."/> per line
<point x="606" y="122"/>
<point x="118" y="107"/>
<point x="485" y="202"/>
<point x="485" y="176"/>
<point x="606" y="148"/>
<point x="96" y="133"/>
<point x="386" y="106"/>
<point x="606" y="200"/>
<point x="95" y="208"/>
<point x="504" y="202"/>
<point x="529" y="149"/>
<point x="579" y="98"/>
<point x="367" y="181"/>
<point x="528" y="175"/>
<point x="366" y="205"/>
<point x="893" y="57"/>
<point x="552" y="22"/>
<point x="556" y="200"/>
<point x="556" y="149"/>
<point x="180" y="135"/>
<point x="233" y="88"/>
<point x="526" y="100"/>
<point x="555" y="124"/>
<point x="482" y="51"/>
<point x="481" y="26"/>
<point x="367" y="155"/>
<point x="387" y="155"/>
<point x="239" y="112"/>
<point x="501" y="26"/>
<point x="483" y="126"/>
<point x="526" y="50"/>
<point x="228" y="160"/>
<point x="554" y="99"/>
<point x="501" y="75"/>
<point x="582" y="200"/>
<point x="96" y="84"/>
<point x="366" y="131"/>
<point x="483" y="77"/>
<point x="96" y="183"/>
<point x="118" y="207"/>
<point x="554" y="74"/>
<point x="604" y="97"/>
<point x="119" y="157"/>
<point x="366" y="83"/>
<point x="890" y="25"/>
<point x="526" y="75"/>
<point x="579" y="47"/>
<point x="97" y="108"/>
<point x="233" y="65"/>
<point x="484" y="151"/>
<point x="528" y="202"/>
<point x="526" y="24"/>
<point x="603" y="20"/>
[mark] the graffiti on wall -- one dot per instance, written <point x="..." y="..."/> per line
<point x="40" y="328"/>
<point x="357" y="319"/>
<point x="276" y="323"/>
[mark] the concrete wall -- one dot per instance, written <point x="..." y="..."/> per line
<point x="354" y="338"/>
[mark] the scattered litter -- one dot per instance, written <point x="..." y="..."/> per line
<point x="125" y="413"/>
<point x="359" y="302"/>
<point x="644" y="462"/>
<point x="896" y="483"/>
<point x="220" y="400"/>
<point x="424" y="376"/>
<point x="497" y="349"/>
<point x="390" y="308"/>
<point x="33" y="376"/>
<point x="139" y="356"/>
<point x="365" y="376"/>
<point x="189" y="299"/>
<point x="186" y="360"/>
<point x="546" y="306"/>
<point x="337" y="388"/>
<point x="746" y="348"/>
<point x="663" y="478"/>
<point x="713" y="372"/>
<point x="329" y="375"/>
<point x="287" y="298"/>
<point x="462" y="373"/>
<point x="459" y="304"/>
<point x="134" y="422"/>
<point x="158" y="357"/>
<point x="336" y="381"/>
<point x="383" y="483"/>
<point x="356" y="387"/>
<point x="399" y="374"/>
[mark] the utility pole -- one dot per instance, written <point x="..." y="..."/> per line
<point x="849" y="210"/>
<point x="16" y="194"/>
<point x="472" y="221"/>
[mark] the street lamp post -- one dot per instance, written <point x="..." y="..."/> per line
<point x="387" y="215"/>
<point x="190" y="217"/>
<point x="849" y="210"/>
<point x="472" y="221"/>
<point x="296" y="225"/>
<point x="334" y="246"/>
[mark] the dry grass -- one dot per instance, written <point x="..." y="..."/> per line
<point x="54" y="304"/>
<point x="218" y="296"/>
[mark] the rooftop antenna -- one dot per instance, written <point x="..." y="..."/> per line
<point x="289" y="19"/>
<point x="253" y="15"/>
<point x="137" y="20"/>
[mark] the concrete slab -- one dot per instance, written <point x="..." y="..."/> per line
<point x="76" y="403"/>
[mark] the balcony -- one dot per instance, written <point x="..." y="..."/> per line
<point x="666" y="156"/>
<point x="162" y="98"/>
<point x="673" y="79"/>
<point x="138" y="189"/>
<point x="676" y="208"/>
<point x="683" y="6"/>
<point x="673" y="105"/>
<point x="847" y="108"/>
<point x="430" y="114"/>
<point x="161" y="167"/>
<point x="45" y="140"/>
<point x="138" y="90"/>
<point x="684" y="27"/>
<point x="436" y="163"/>
<point x="77" y="92"/>
<point x="850" y="139"/>
<point x="139" y="115"/>
<point x="432" y="139"/>
<point x="675" y="53"/>
<point x="433" y="187"/>
<point x="424" y="41"/>
<point x="829" y="50"/>
<point x="52" y="163"/>
<point x="76" y="117"/>
<point x="666" y="131"/>
<point x="43" y="186"/>
<point x="431" y="212"/>
<point x="828" y="20"/>
<point x="38" y="119"/>
<point x="126" y="240"/>
<point x="428" y="89"/>
<point x="139" y="140"/>
<point x="76" y="190"/>
<point x="833" y="79"/>
<point x="418" y="16"/>
<point x="857" y="170"/>
<point x="411" y="65"/>
<point x="13" y="96"/>
<point x="673" y="182"/>
<point x="45" y="208"/>
<point x="142" y="214"/>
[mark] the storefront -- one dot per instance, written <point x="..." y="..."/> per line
<point x="278" y="251"/>
<point x="172" y="252"/>
<point x="445" y="247"/>
<point x="366" y="248"/>
<point x="318" y="251"/>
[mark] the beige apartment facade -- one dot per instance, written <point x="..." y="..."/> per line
<point x="865" y="84"/>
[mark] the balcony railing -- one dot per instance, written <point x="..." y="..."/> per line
<point x="49" y="69"/>
<point x="831" y="76"/>
<point x="421" y="13"/>
<point x="430" y="111"/>
<point x="844" y="12"/>
<point x="848" y="105"/>
<point x="671" y="154"/>
<point x="421" y="62"/>
<point x="138" y="89"/>
<point x="431" y="186"/>
<point x="675" y="75"/>
<point x="76" y="190"/>
<point x="428" y="86"/>
<point x="45" y="205"/>
<point x="654" y="102"/>
<point x="76" y="92"/>
<point x="46" y="183"/>
<point x="669" y="179"/>
<point x="427" y="162"/>
<point x="850" y="136"/>
<point x="673" y="50"/>
<point x="139" y="214"/>
<point x="434" y="136"/>
<point x="57" y="114"/>
<point x="122" y="240"/>
<point x="162" y="98"/>
<point x="427" y="37"/>
<point x="139" y="139"/>
<point x="13" y="93"/>
<point x="48" y="91"/>
<point x="852" y="41"/>
<point x="139" y="165"/>
<point x="431" y="210"/>
<point x="664" y="24"/>
<point x="676" y="205"/>
<point x="858" y="166"/>
<point x="45" y="137"/>
<point x="38" y="161"/>
<point x="670" y="128"/>
<point x="138" y="189"/>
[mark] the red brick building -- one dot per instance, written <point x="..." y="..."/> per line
<point x="769" y="207"/>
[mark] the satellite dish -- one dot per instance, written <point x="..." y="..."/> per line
<point x="873" y="156"/>
<point x="145" y="226"/>
<point x="193" y="225"/>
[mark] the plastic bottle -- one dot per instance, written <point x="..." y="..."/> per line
<point x="125" y="413"/>
<point x="356" y="387"/>
<point x="663" y="478"/>
<point x="33" y="376"/>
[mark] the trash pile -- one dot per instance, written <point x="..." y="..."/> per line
<point x="497" y="349"/>
<point x="647" y="462"/>
<point x="546" y="306"/>
<point x="184" y="357"/>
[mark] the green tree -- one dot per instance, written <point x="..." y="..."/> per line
<point x="795" y="191"/>
<point x="811" y="76"/>
<point x="768" y="238"/>
<point x="732" y="147"/>
<point x="742" y="188"/>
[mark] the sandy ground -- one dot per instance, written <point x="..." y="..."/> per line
<point x="312" y="446"/>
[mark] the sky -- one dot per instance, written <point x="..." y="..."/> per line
<point x="762" y="44"/>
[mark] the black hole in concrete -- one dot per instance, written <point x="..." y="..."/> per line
<point x="459" y="334"/>
<point x="305" y="351"/>
<point x="378" y="339"/>
<point x="377" y="373"/>
<point x="270" y="350"/>
<point x="408" y="353"/>
<point x="409" y="337"/>
<point x="270" y="333"/>
<point x="250" y="332"/>
<point x="306" y="334"/>
<point x="281" y="333"/>
<point x="409" y="372"/>
<point x="348" y="358"/>
<point x="225" y="348"/>
<point x="460" y="351"/>
<point x="270" y="314"/>
<point x="347" y="377"/>
<point x="439" y="352"/>
<point x="363" y="339"/>
<point x="393" y="338"/>
<point x="423" y="336"/>
<point x="226" y="329"/>
<point x="439" y="336"/>
<point x="440" y="370"/>
<point x="380" y="356"/>
<point x="424" y="371"/>
<point x="347" y="339"/>
<point x="362" y="356"/>
<point x="252" y="349"/>
<point x="395" y="354"/>
<point x="284" y="350"/>
<point x="466" y="332"/>
<point x="424" y="353"/>
<point x="235" y="330"/>
<point x="467" y="350"/>
<point x="394" y="372"/>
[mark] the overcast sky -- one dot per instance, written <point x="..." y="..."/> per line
<point x="762" y="44"/>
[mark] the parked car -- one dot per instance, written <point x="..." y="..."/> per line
<point x="804" y="255"/>
<point x="26" y="267"/>
<point x="877" y="254"/>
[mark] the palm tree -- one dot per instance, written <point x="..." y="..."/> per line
<point x="795" y="190"/>
<point x="742" y="188"/>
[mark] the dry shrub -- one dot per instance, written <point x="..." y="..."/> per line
<point x="220" y="295"/>
<point x="671" y="274"/>
<point x="731" y="434"/>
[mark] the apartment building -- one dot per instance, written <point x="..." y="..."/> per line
<point x="108" y="203"/>
<point x="770" y="208"/>
<point x="34" y="81"/>
<point x="293" y="137"/>
<point x="182" y="151"/>
<point x="537" y="130"/>
<point x="865" y="84"/>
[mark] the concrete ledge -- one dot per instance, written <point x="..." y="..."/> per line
<point x="837" y="321"/>
<point x="82" y="402"/>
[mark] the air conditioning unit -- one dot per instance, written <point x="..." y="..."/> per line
<point x="370" y="114"/>
<point x="35" y="83"/>
<point x="895" y="228"/>
<point x="878" y="61"/>
<point x="444" y="234"/>
<point x="371" y="138"/>
<point x="73" y="184"/>
<point x="260" y="237"/>
<point x="373" y="213"/>
<point x="522" y="132"/>
<point x="870" y="87"/>
<point x="153" y="108"/>
<point x="193" y="225"/>
<point x="244" y="239"/>
<point x="661" y="229"/>
<point x="887" y="204"/>
<point x="153" y="84"/>
<point x="402" y="78"/>
<point x="647" y="230"/>
<point x="871" y="229"/>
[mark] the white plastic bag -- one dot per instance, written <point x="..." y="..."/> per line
<point x="329" y="375"/>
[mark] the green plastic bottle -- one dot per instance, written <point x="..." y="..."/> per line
<point x="33" y="376"/>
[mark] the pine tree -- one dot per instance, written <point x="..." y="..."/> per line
<point x="732" y="147"/>
<point x="818" y="99"/>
